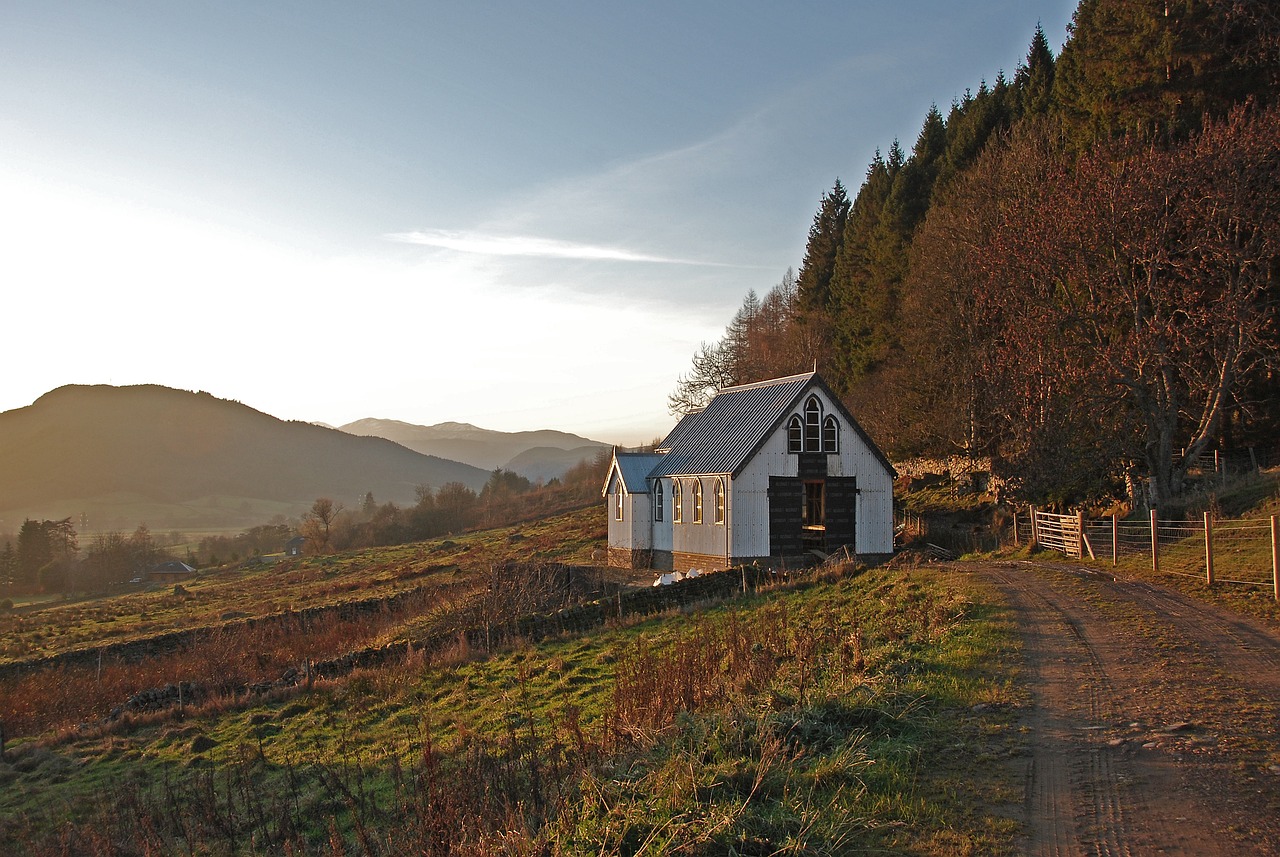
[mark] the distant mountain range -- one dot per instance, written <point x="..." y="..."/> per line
<point x="112" y="457"/>
<point x="536" y="455"/>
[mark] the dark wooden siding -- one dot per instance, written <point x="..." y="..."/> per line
<point x="841" y="511"/>
<point x="786" y="515"/>
<point x="811" y="465"/>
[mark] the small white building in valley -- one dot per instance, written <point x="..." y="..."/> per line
<point x="771" y="472"/>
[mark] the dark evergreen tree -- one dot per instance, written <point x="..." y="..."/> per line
<point x="971" y="124"/>
<point x="41" y="543"/>
<point x="887" y="253"/>
<point x="861" y="317"/>
<point x="1162" y="67"/>
<point x="913" y="184"/>
<point x="1034" y="80"/>
<point x="813" y="285"/>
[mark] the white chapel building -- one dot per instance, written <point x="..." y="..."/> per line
<point x="772" y="472"/>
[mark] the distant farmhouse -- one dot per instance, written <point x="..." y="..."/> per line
<point x="171" y="571"/>
<point x="773" y="472"/>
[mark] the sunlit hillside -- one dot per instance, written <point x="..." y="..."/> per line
<point x="119" y="456"/>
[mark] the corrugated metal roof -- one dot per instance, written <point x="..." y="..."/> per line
<point x="635" y="468"/>
<point x="723" y="435"/>
<point x="681" y="429"/>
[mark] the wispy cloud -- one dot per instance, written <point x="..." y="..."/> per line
<point x="528" y="245"/>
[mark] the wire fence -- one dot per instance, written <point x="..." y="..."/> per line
<point x="1244" y="552"/>
<point x="1236" y="461"/>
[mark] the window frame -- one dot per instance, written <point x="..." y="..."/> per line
<point x="659" y="500"/>
<point x="813" y="514"/>
<point x="830" y="434"/>
<point x="618" y="502"/>
<point x="812" y="424"/>
<point x="697" y="501"/>
<point x="795" y="434"/>
<point x="719" y="503"/>
<point x="677" y="502"/>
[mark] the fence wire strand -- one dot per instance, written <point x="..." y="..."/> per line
<point x="1240" y="550"/>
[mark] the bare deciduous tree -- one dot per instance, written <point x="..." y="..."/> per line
<point x="317" y="524"/>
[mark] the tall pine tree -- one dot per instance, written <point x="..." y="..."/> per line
<point x="861" y="322"/>
<point x="971" y="124"/>
<point x="1034" y="80"/>
<point x="813" y="284"/>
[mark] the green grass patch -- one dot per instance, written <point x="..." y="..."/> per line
<point x="865" y="712"/>
<point x="221" y="595"/>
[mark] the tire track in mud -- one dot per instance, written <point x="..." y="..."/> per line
<point x="1073" y="799"/>
<point x="1115" y="669"/>
<point x="1253" y="649"/>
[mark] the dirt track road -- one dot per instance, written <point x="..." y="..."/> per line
<point x="1155" y="719"/>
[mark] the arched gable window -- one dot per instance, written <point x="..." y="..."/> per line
<point x="617" y="502"/>
<point x="697" y="501"/>
<point x="795" y="434"/>
<point x="677" y="503"/>
<point x="813" y="425"/>
<point x="657" y="500"/>
<point x="830" y="435"/>
<point x="718" y="494"/>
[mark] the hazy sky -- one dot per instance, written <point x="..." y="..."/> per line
<point x="520" y="215"/>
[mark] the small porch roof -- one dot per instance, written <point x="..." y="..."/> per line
<point x="633" y="468"/>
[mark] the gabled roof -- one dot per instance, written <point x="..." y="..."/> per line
<point x="722" y="437"/>
<point x="172" y="566"/>
<point x="633" y="468"/>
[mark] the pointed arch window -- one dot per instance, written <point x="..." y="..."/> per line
<point x="697" y="501"/>
<point x="830" y="435"/>
<point x="657" y="500"/>
<point x="795" y="434"/>
<point x="677" y="503"/>
<point x="718" y="501"/>
<point x="813" y="425"/>
<point x="618" y="502"/>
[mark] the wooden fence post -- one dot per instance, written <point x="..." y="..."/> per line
<point x="1035" y="533"/>
<point x="1080" y="537"/>
<point x="1275" y="558"/>
<point x="1115" y="538"/>
<point x="1015" y="528"/>
<point x="1208" y="549"/>
<point x="1155" y="543"/>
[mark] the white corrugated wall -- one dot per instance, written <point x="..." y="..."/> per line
<point x="750" y="500"/>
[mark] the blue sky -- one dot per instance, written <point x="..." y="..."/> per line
<point x="521" y="215"/>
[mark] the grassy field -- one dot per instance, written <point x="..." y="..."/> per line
<point x="256" y="590"/>
<point x="859" y="710"/>
<point x="1242" y="547"/>
<point x="851" y="711"/>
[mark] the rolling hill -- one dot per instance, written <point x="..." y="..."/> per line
<point x="178" y="459"/>
<point x="536" y="455"/>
